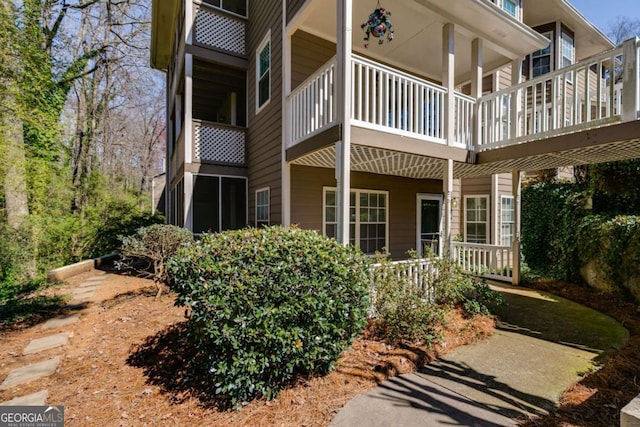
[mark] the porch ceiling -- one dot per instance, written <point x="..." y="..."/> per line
<point x="606" y="144"/>
<point x="417" y="45"/>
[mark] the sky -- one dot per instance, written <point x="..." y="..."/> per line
<point x="602" y="13"/>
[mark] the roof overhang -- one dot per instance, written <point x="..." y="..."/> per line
<point x="163" y="22"/>
<point x="589" y="40"/>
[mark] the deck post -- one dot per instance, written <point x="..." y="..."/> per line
<point x="448" y="80"/>
<point x="343" y="107"/>
<point x="188" y="140"/>
<point x="476" y="87"/>
<point x="447" y="181"/>
<point x="516" y="182"/>
<point x="516" y="99"/>
<point x="630" y="84"/>
<point x="286" y="120"/>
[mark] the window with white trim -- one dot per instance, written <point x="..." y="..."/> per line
<point x="368" y="218"/>
<point x="507" y="220"/>
<point x="476" y="219"/>
<point x="262" y="207"/>
<point x="263" y="72"/>
<point x="541" y="60"/>
<point x="512" y="7"/>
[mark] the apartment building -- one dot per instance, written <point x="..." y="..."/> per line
<point x="280" y="112"/>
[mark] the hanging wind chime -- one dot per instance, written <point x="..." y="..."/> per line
<point x="378" y="25"/>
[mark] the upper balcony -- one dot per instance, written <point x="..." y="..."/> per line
<point x="404" y="109"/>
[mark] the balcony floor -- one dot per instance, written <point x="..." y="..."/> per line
<point x="387" y="154"/>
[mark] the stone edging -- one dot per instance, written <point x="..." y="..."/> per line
<point x="630" y="414"/>
<point x="71" y="270"/>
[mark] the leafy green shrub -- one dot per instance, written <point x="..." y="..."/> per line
<point x="267" y="305"/>
<point x="149" y="249"/>
<point x="453" y="287"/>
<point x="402" y="311"/>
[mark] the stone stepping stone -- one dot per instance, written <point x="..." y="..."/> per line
<point x="96" y="279"/>
<point x="60" y="322"/>
<point x="30" y="373"/>
<point x="35" y="399"/>
<point x="89" y="285"/>
<point x="52" y="341"/>
<point x="83" y="293"/>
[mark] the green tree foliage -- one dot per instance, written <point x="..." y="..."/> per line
<point x="267" y="305"/>
<point x="44" y="52"/>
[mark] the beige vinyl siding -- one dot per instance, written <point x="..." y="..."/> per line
<point x="480" y="186"/>
<point x="306" y="201"/>
<point x="456" y="212"/>
<point x="308" y="53"/>
<point x="264" y="135"/>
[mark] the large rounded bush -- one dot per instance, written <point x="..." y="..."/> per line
<point x="269" y="304"/>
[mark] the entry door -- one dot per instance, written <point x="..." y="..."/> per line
<point x="429" y="223"/>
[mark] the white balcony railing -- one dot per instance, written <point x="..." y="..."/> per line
<point x="495" y="262"/>
<point x="219" y="143"/>
<point x="313" y="103"/>
<point x="389" y="100"/>
<point x="578" y="97"/>
<point x="214" y="28"/>
<point x="383" y="99"/>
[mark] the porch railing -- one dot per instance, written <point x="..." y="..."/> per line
<point x="313" y="103"/>
<point x="383" y="99"/>
<point x="387" y="99"/>
<point x="581" y="96"/>
<point x="494" y="262"/>
<point x="420" y="272"/>
<point x="214" y="28"/>
<point x="219" y="143"/>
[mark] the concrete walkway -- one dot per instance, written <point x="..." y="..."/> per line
<point x="543" y="344"/>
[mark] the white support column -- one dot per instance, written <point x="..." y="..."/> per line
<point x="476" y="87"/>
<point x="516" y="101"/>
<point x="516" y="182"/>
<point x="495" y="209"/>
<point x="343" y="147"/>
<point x="448" y="80"/>
<point x="286" y="120"/>
<point x="188" y="139"/>
<point x="630" y="84"/>
<point x="447" y="184"/>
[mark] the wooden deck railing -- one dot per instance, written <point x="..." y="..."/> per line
<point x="495" y="262"/>
<point x="383" y="99"/>
<point x="584" y="95"/>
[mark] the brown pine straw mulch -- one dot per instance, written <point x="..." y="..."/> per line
<point x="124" y="365"/>
<point x="598" y="398"/>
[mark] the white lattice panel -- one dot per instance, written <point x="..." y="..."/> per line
<point x="219" y="32"/>
<point x="220" y="145"/>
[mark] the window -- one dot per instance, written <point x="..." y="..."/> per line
<point x="238" y="7"/>
<point x="367" y="222"/>
<point x="507" y="220"/>
<point x="568" y="53"/>
<point x="541" y="59"/>
<point x="476" y="219"/>
<point x="263" y="72"/>
<point x="512" y="7"/>
<point x="262" y="207"/>
<point x="219" y="203"/>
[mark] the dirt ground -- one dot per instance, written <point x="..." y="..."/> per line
<point x="124" y="365"/>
